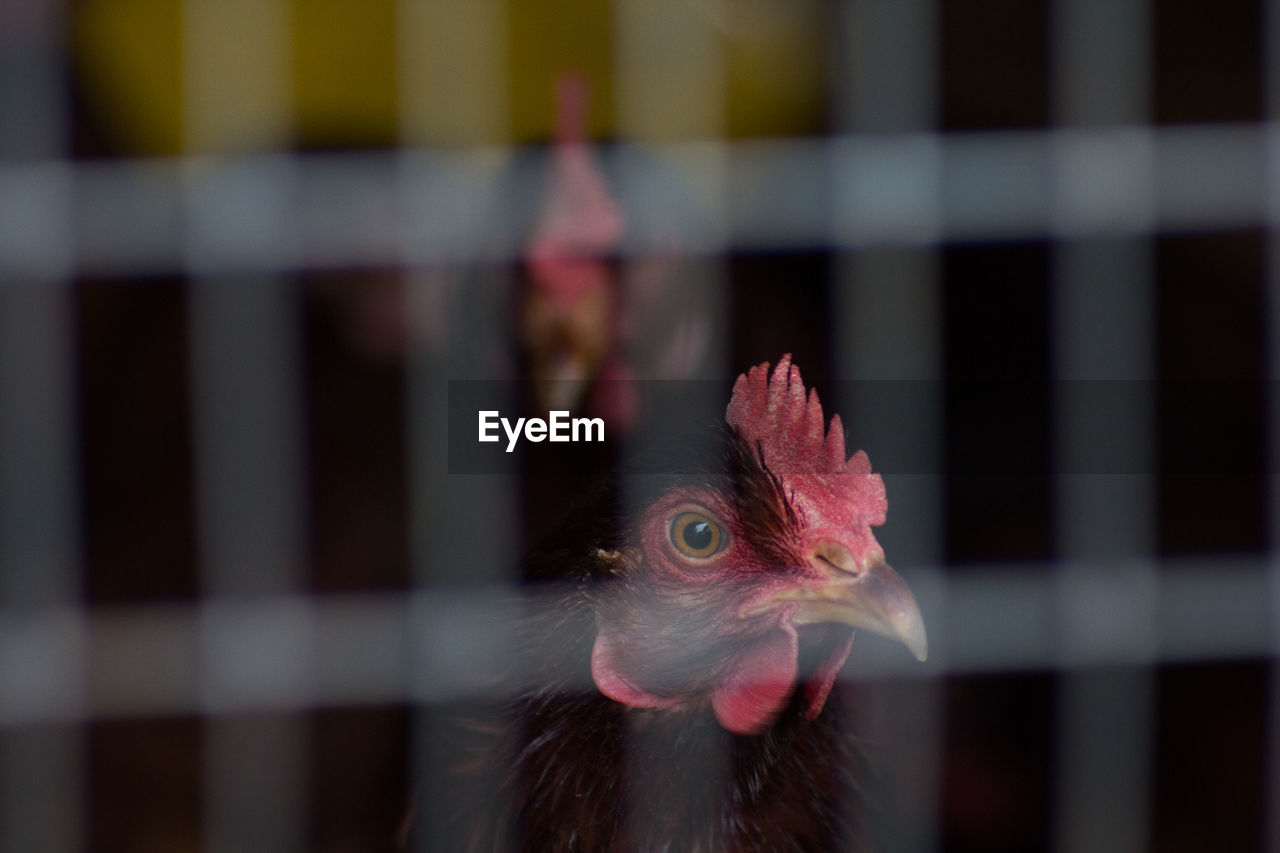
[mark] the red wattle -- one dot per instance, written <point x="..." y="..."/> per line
<point x="818" y="687"/>
<point x="758" y="687"/>
<point x="606" y="672"/>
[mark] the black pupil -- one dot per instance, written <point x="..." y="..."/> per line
<point x="698" y="535"/>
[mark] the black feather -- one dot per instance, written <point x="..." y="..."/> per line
<point x="564" y="768"/>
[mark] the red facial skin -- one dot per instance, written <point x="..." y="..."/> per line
<point x="734" y="589"/>
<point x="722" y="629"/>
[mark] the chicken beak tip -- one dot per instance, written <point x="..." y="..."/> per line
<point x="879" y="601"/>
<point x="905" y="625"/>
<point x="918" y="643"/>
<point x="909" y="629"/>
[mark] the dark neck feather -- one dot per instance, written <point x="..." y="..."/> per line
<point x="588" y="774"/>
<point x="569" y="769"/>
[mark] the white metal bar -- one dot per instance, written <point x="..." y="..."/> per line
<point x="913" y="189"/>
<point x="43" y="762"/>
<point x="236" y="79"/>
<point x="452" y="72"/>
<point x="33" y="81"/>
<point x="258" y="768"/>
<point x="890" y="333"/>
<point x="887" y="65"/>
<point x="670" y="82"/>
<point x="1102" y="61"/>
<point x="347" y="650"/>
<point x="1104" y="305"/>
<point x="1271" y="54"/>
<point x="1272" y="800"/>
<point x="39" y="520"/>
<point x="465" y="531"/>
<point x="247" y="400"/>
<point x="247" y="404"/>
<point x="43" y="788"/>
<point x="669" y="71"/>
<point x="452" y="91"/>
<point x="891" y="336"/>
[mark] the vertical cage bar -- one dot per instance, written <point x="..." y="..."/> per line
<point x="247" y="409"/>
<point x="670" y="85"/>
<point x="39" y="521"/>
<point x="1105" y="524"/>
<point x="237" y="83"/>
<point x="669" y="71"/>
<point x="43" y="789"/>
<point x="250" y="448"/>
<point x="1104" y="346"/>
<point x="42" y="766"/>
<point x="1102" y="68"/>
<point x="1272" y="801"/>
<point x="452" y="71"/>
<point x="890" y="337"/>
<point x="886" y="65"/>
<point x="890" y="346"/>
<point x="32" y="80"/>
<point x="249" y="456"/>
<point x="464" y="529"/>
<point x="1271" y="57"/>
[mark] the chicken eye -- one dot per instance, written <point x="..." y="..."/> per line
<point x="697" y="535"/>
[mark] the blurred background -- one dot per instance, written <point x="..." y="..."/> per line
<point x="249" y="249"/>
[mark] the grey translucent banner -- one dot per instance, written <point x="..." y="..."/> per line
<point x="991" y="427"/>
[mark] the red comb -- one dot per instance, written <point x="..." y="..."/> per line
<point x="774" y="414"/>
<point x="580" y="218"/>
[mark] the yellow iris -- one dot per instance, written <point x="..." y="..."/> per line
<point x="695" y="534"/>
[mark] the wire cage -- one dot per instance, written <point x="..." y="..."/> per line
<point x="259" y="258"/>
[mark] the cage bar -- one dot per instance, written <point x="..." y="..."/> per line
<point x="42" y="759"/>
<point x="239" y="214"/>
<point x="1103" y="300"/>
<point x="888" y="305"/>
<point x="250" y="446"/>
<point x="1271" y="30"/>
<point x="247" y="414"/>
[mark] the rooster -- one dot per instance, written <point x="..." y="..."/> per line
<point x="678" y="688"/>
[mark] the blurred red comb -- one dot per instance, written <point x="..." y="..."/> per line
<point x="580" y="218"/>
<point x="774" y="413"/>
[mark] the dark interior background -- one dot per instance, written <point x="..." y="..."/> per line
<point x="998" y="766"/>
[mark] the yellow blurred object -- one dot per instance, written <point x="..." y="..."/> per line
<point x="130" y="64"/>
<point x="777" y="66"/>
<point x="344" y="71"/>
<point x="343" y="58"/>
<point x="546" y="39"/>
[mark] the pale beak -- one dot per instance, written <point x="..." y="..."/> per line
<point x="872" y="597"/>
